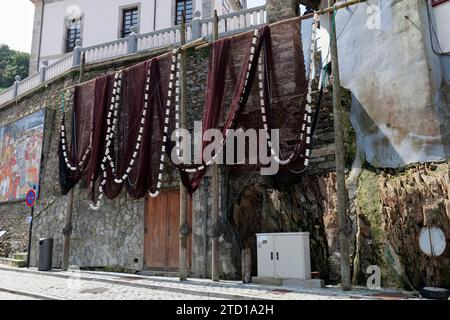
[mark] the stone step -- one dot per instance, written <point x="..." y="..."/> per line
<point x="17" y="263"/>
<point x="20" y="256"/>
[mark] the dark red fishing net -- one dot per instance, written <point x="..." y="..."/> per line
<point x="285" y="87"/>
<point x="77" y="140"/>
<point x="144" y="172"/>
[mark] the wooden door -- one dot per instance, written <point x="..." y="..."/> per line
<point x="162" y="229"/>
<point x="173" y="230"/>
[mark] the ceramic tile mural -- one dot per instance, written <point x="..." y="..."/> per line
<point x="20" y="156"/>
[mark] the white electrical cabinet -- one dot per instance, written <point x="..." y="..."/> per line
<point x="284" y="255"/>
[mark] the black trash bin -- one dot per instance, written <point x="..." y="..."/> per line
<point x="45" y="254"/>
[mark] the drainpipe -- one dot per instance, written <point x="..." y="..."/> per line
<point x="40" y="36"/>
<point x="154" y="15"/>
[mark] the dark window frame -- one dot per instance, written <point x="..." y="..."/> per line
<point x="186" y="6"/>
<point x="129" y="18"/>
<point x="73" y="32"/>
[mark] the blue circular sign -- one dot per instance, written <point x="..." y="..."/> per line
<point x="30" y="198"/>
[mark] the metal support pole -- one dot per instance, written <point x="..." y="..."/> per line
<point x="215" y="195"/>
<point x="30" y="234"/>
<point x="184" y="227"/>
<point x="340" y="158"/>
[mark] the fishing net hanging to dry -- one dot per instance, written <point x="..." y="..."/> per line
<point x="117" y="130"/>
<point x="245" y="89"/>
<point x="76" y="137"/>
<point x="122" y="135"/>
<point x="136" y="123"/>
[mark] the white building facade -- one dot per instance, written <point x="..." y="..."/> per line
<point x="59" y="23"/>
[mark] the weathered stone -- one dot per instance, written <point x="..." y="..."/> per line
<point x="432" y="213"/>
<point x="447" y="208"/>
<point x="324" y="151"/>
<point x="403" y="197"/>
<point x="334" y="267"/>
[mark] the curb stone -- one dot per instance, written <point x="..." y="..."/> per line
<point x="27" y="294"/>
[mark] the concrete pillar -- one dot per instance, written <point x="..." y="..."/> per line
<point x="42" y="71"/>
<point x="16" y="86"/>
<point x="37" y="32"/>
<point x="196" y="28"/>
<point x="77" y="53"/>
<point x="132" y="40"/>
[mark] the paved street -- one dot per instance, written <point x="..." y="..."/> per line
<point x="117" y="286"/>
<point x="10" y="296"/>
<point x="50" y="287"/>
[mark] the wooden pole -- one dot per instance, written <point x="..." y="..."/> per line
<point x="67" y="231"/>
<point x="183" y="191"/>
<point x="194" y="43"/>
<point x="340" y="158"/>
<point x="215" y="194"/>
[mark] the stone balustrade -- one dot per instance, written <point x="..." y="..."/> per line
<point x="231" y="23"/>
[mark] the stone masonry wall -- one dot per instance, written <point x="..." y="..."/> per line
<point x="113" y="236"/>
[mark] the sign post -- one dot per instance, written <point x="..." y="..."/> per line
<point x="30" y="200"/>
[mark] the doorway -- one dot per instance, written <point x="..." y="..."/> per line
<point x="162" y="229"/>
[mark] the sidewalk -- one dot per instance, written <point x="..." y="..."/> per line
<point x="103" y="285"/>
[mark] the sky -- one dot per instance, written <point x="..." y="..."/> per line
<point x="16" y="22"/>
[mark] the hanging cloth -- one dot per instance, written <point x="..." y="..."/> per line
<point x="75" y="155"/>
<point x="126" y="125"/>
<point x="99" y="130"/>
<point x="136" y="123"/>
<point x="283" y="102"/>
<point x="219" y="63"/>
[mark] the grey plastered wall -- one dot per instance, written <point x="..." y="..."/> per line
<point x="385" y="61"/>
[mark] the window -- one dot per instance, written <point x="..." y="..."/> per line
<point x="73" y="33"/>
<point x="186" y="7"/>
<point x="130" y="18"/>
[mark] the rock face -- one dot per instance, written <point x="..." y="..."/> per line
<point x="392" y="209"/>
<point x="14" y="223"/>
<point x="301" y="207"/>
<point x="417" y="197"/>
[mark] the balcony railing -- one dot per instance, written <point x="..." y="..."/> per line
<point x="231" y="23"/>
